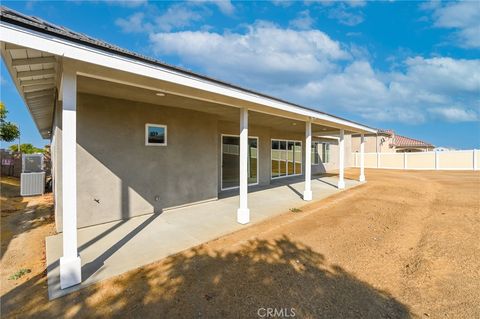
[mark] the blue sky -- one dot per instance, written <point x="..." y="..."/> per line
<point x="409" y="66"/>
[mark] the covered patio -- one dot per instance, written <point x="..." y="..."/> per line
<point x="96" y="101"/>
<point x="111" y="249"/>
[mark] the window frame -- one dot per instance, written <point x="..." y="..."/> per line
<point x="325" y="145"/>
<point x="314" y="149"/>
<point x="286" y="161"/>
<point x="221" y="161"/>
<point x="147" y="125"/>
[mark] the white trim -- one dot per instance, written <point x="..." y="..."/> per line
<point x="361" y="178"/>
<point x="341" y="160"/>
<point x="307" y="193"/>
<point x="475" y="155"/>
<point x="221" y="161"/>
<point x="70" y="263"/>
<point x="243" y="213"/>
<point x="61" y="47"/>
<point x="301" y="163"/>
<point x="146" y="134"/>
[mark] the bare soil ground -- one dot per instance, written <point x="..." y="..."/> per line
<point x="406" y="244"/>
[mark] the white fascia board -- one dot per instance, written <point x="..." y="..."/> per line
<point x="57" y="46"/>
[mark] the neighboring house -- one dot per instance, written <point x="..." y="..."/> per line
<point x="387" y="141"/>
<point x="131" y="135"/>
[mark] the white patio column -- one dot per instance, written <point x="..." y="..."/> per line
<point x="341" y="160"/>
<point x="362" y="158"/>
<point x="243" y="213"/>
<point x="70" y="264"/>
<point x="307" y="193"/>
<point x="475" y="160"/>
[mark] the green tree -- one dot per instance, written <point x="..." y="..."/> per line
<point x="8" y="130"/>
<point x="27" y="148"/>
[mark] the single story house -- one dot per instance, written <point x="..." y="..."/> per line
<point x="131" y="135"/>
<point x="387" y="141"/>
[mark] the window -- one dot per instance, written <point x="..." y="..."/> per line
<point x="325" y="152"/>
<point x="155" y="135"/>
<point x="231" y="161"/>
<point x="315" y="153"/>
<point x="286" y="158"/>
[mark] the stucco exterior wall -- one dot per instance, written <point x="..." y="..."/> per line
<point x="118" y="177"/>
<point x="373" y="144"/>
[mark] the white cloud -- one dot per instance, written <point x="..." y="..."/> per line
<point x="264" y="54"/>
<point x="225" y="6"/>
<point x="310" y="68"/>
<point x="345" y="16"/>
<point x="282" y="3"/>
<point x="177" y="16"/>
<point x="174" y="18"/>
<point x="128" y="3"/>
<point x="456" y="114"/>
<point x="134" y="23"/>
<point x="303" y="21"/>
<point x="463" y="16"/>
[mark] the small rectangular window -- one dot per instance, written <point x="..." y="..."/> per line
<point x="155" y="135"/>
<point x="325" y="152"/>
<point x="315" y="155"/>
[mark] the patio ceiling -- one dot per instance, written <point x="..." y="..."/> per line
<point x="35" y="76"/>
<point x="93" y="86"/>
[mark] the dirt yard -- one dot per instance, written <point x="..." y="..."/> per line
<point x="406" y="244"/>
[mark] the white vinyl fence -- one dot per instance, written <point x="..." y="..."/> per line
<point x="447" y="160"/>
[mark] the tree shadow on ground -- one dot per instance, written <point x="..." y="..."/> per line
<point x="204" y="283"/>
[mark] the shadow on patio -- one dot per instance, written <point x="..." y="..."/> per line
<point x="218" y="284"/>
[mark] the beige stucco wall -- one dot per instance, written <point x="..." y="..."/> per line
<point x="452" y="160"/>
<point x="477" y="152"/>
<point x="391" y="160"/>
<point x="420" y="160"/>
<point x="118" y="177"/>
<point x="455" y="160"/>
<point x="371" y="142"/>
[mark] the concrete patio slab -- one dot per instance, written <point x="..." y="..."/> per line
<point x="111" y="249"/>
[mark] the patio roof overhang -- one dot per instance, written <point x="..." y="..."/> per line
<point x="35" y="60"/>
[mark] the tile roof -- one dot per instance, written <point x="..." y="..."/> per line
<point x="403" y="141"/>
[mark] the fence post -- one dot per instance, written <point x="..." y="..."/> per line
<point x="404" y="160"/>
<point x="378" y="160"/>
<point x="437" y="166"/>
<point x="475" y="160"/>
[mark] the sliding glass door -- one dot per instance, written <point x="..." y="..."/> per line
<point x="286" y="158"/>
<point x="231" y="161"/>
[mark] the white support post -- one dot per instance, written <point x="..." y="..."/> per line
<point x="243" y="213"/>
<point x="307" y="193"/>
<point x="341" y="160"/>
<point x="378" y="160"/>
<point x="70" y="264"/>
<point x="475" y="160"/>
<point x="362" y="158"/>
<point x="405" y="160"/>
<point x="437" y="163"/>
